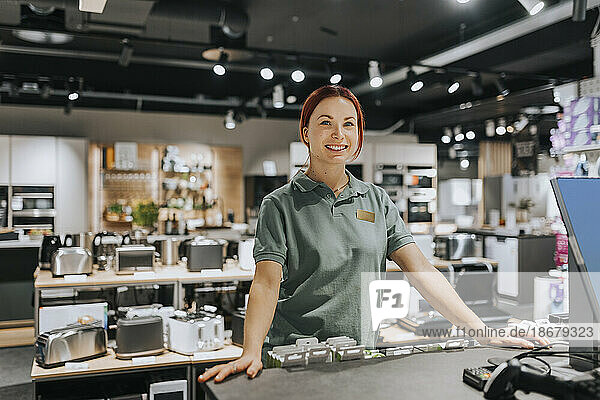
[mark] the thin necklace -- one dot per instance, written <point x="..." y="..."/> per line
<point x="343" y="186"/>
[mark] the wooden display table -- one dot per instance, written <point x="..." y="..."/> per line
<point x="169" y="363"/>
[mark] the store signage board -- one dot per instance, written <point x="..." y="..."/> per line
<point x="143" y="360"/>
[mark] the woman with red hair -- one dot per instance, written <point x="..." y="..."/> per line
<point x="316" y="236"/>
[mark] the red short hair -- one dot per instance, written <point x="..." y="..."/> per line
<point x="332" y="91"/>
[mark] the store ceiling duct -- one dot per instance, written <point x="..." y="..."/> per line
<point x="233" y="20"/>
<point x="579" y="10"/>
<point x="482" y="43"/>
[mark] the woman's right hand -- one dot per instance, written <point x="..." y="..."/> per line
<point x="251" y="364"/>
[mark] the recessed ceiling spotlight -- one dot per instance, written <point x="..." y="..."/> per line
<point x="510" y="129"/>
<point x="446" y="139"/>
<point x="267" y="73"/>
<point x="298" y="76"/>
<point x="278" y="96"/>
<point x="335" y="79"/>
<point x="460" y="137"/>
<point x="532" y="6"/>
<point x="418" y="85"/>
<point x="291" y="99"/>
<point x="464" y="164"/>
<point x="500" y="130"/>
<point x="556" y="99"/>
<point x="470" y="135"/>
<point x="375" y="79"/>
<point x="229" y="121"/>
<point x="73" y="96"/>
<point x="462" y="1"/>
<point x="219" y="69"/>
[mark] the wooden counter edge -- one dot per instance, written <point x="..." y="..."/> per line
<point x="38" y="373"/>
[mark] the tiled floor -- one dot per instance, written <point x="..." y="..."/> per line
<point x="15" y="369"/>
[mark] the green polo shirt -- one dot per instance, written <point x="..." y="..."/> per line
<point x="323" y="245"/>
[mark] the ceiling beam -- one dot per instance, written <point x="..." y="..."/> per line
<point x="492" y="39"/>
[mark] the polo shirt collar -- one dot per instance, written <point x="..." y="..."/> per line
<point x="305" y="184"/>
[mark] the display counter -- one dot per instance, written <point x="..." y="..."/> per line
<point x="415" y="376"/>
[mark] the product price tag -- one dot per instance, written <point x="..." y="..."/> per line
<point x="75" y="278"/>
<point x="144" y="275"/>
<point x="76" y="366"/>
<point x="143" y="360"/>
<point x="203" y="356"/>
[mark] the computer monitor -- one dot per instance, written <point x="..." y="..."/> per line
<point x="578" y="201"/>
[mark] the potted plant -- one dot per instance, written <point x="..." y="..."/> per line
<point x="145" y="214"/>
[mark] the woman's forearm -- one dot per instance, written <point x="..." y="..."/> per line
<point x="262" y="301"/>
<point x="434" y="287"/>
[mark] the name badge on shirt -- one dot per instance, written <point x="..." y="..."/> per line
<point x="364" y="215"/>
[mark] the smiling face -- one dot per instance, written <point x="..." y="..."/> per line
<point x="332" y="132"/>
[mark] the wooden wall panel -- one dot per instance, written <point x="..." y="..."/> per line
<point x="229" y="182"/>
<point x="495" y="159"/>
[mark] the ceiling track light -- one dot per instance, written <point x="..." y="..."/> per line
<point x="453" y="86"/>
<point x="278" y="96"/>
<point x="533" y="7"/>
<point x="501" y="86"/>
<point x="375" y="79"/>
<point x="501" y="126"/>
<point x="126" y="53"/>
<point x="579" y="10"/>
<point x="266" y="73"/>
<point x="335" y="77"/>
<point x="298" y="76"/>
<point x="229" y="121"/>
<point x="219" y="68"/>
<point x="414" y="82"/>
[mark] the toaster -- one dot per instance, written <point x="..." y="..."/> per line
<point x="139" y="337"/>
<point x="191" y="333"/>
<point x="134" y="258"/>
<point x="71" y="261"/>
<point x="75" y="342"/>
<point x="204" y="253"/>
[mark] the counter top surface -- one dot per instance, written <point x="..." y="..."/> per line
<point x="11" y="244"/>
<point x="416" y="376"/>
<point x="500" y="232"/>
<point x="110" y="363"/>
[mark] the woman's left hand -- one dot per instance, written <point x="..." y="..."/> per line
<point x="525" y="341"/>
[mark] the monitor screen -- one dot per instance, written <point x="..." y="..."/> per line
<point x="578" y="201"/>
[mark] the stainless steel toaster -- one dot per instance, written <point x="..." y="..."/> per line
<point x="204" y="253"/>
<point x="70" y="261"/>
<point x="134" y="258"/>
<point x="75" y="342"/>
<point x="139" y="336"/>
<point x="189" y="334"/>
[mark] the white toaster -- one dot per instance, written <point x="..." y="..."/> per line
<point x="192" y="334"/>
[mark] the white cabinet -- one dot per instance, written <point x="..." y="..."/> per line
<point x="32" y="160"/>
<point x="4" y="160"/>
<point x="71" y="185"/>
<point x="506" y="252"/>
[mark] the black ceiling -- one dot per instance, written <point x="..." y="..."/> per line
<point x="168" y="73"/>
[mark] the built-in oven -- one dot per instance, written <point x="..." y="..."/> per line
<point x="3" y="206"/>
<point x="32" y="207"/>
<point x="419" y="177"/>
